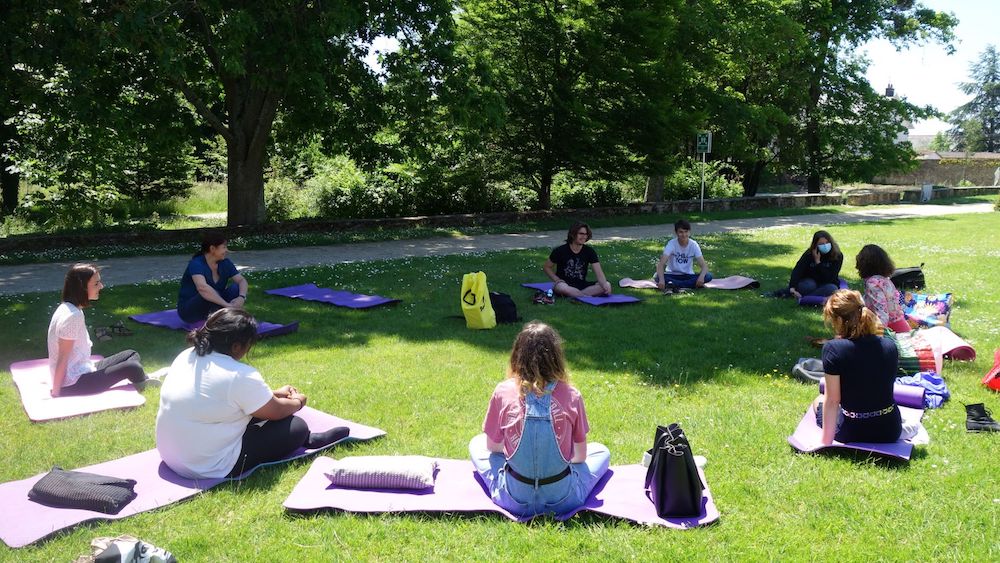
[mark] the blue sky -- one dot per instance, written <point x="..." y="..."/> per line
<point x="925" y="74"/>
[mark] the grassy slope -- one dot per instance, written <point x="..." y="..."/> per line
<point x="714" y="361"/>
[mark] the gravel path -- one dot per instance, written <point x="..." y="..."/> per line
<point x="49" y="277"/>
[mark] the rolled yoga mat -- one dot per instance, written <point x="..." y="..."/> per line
<point x="904" y="395"/>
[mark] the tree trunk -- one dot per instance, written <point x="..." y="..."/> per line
<point x="654" y="188"/>
<point x="751" y="178"/>
<point x="545" y="190"/>
<point x="9" y="180"/>
<point x="245" y="201"/>
<point x="814" y="149"/>
<point x="251" y="112"/>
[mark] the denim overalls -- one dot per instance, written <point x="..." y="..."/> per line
<point x="537" y="457"/>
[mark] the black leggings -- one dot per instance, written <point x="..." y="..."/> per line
<point x="271" y="441"/>
<point x="111" y="370"/>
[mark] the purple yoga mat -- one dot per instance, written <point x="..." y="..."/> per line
<point x="457" y="489"/>
<point x="340" y="298"/>
<point x="819" y="300"/>
<point x="808" y="437"/>
<point x="904" y="395"/>
<point x="615" y="299"/>
<point x="23" y="522"/>
<point x="170" y="319"/>
<point x="33" y="382"/>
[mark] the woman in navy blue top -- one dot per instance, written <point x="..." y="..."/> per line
<point x="210" y="282"/>
<point x="860" y="369"/>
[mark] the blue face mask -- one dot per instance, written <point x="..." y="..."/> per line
<point x="824" y="248"/>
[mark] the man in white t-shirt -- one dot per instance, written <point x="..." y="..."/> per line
<point x="679" y="255"/>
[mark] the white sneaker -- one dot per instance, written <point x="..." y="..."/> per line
<point x="159" y="374"/>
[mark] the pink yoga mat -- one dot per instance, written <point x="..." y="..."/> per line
<point x="457" y="489"/>
<point x="808" y="437"/>
<point x="34" y="382"/>
<point x="731" y="282"/>
<point x="170" y="319"/>
<point x="615" y="299"/>
<point x="340" y="298"/>
<point x="951" y="345"/>
<point x="23" y="522"/>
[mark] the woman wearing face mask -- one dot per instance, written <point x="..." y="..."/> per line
<point x="818" y="270"/>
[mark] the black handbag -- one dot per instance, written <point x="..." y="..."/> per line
<point x="909" y="278"/>
<point x="672" y="479"/>
<point x="76" y="489"/>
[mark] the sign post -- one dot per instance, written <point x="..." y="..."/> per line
<point x="704" y="146"/>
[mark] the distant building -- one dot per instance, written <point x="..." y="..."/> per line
<point x="903" y="136"/>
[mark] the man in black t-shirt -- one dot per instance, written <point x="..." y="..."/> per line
<point x="567" y="266"/>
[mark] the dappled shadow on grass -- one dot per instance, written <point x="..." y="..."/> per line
<point x="859" y="457"/>
<point x="665" y="339"/>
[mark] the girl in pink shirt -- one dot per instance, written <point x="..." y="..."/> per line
<point x="533" y="454"/>
<point x="881" y="296"/>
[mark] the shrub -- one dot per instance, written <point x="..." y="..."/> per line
<point x="343" y="191"/>
<point x="572" y="193"/>
<point x="281" y="199"/>
<point x="685" y="181"/>
<point x="70" y="207"/>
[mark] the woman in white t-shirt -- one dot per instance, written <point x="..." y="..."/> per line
<point x="73" y="372"/>
<point x="218" y="418"/>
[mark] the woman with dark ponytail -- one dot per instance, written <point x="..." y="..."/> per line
<point x="860" y="369"/>
<point x="210" y="281"/>
<point x="73" y="372"/>
<point x="212" y="406"/>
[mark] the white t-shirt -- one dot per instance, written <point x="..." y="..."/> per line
<point x="681" y="258"/>
<point x="68" y="323"/>
<point x="205" y="406"/>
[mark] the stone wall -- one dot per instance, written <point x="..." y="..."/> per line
<point x="787" y="201"/>
<point x="945" y="172"/>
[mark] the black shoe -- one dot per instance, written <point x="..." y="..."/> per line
<point x="978" y="419"/>
<point x="323" y="439"/>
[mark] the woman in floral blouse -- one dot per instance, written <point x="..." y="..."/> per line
<point x="881" y="296"/>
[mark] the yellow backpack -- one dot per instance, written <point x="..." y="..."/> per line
<point x="476" y="304"/>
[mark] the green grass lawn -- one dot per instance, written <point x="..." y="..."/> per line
<point x="715" y="361"/>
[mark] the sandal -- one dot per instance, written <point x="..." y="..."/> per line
<point x="119" y="329"/>
<point x="102" y="334"/>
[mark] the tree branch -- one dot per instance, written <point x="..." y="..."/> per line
<point x="213" y="55"/>
<point x="205" y="111"/>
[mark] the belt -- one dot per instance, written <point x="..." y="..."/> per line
<point x="537" y="482"/>
<point x="872" y="414"/>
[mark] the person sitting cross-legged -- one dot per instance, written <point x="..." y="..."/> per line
<point x="678" y="256"/>
<point x="533" y="455"/>
<point x="567" y="266"/>
<point x="217" y="417"/>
